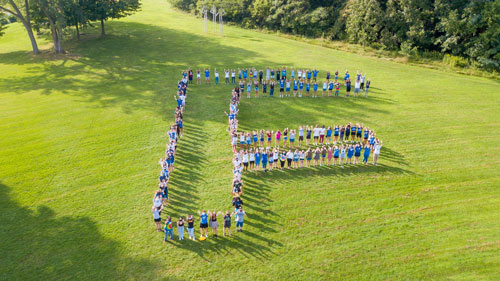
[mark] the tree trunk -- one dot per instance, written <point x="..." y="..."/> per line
<point x="102" y="27"/>
<point x="26" y="22"/>
<point x="55" y="36"/>
<point x="77" y="31"/>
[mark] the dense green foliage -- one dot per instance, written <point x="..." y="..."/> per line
<point x="81" y="137"/>
<point x="469" y="29"/>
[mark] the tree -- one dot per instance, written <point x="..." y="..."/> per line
<point x="103" y="10"/>
<point x="16" y="7"/>
<point x="50" y="14"/>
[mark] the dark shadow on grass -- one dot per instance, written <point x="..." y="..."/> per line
<point x="45" y="246"/>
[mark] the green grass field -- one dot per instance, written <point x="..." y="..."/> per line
<point x="81" y="136"/>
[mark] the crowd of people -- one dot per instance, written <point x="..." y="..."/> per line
<point x="307" y="146"/>
<point x="208" y="219"/>
<point x="299" y="82"/>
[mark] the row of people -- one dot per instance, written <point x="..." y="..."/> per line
<point x="299" y="86"/>
<point x="207" y="220"/>
<point x="175" y="131"/>
<point x="280" y="73"/>
<point x="317" y="135"/>
<point x="255" y="159"/>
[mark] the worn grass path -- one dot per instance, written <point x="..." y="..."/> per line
<point x="81" y="136"/>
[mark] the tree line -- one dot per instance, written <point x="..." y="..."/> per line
<point x="466" y="30"/>
<point x="56" y="15"/>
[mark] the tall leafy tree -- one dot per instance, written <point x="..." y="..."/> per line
<point x="103" y="10"/>
<point x="21" y="10"/>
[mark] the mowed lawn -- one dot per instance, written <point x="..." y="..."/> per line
<point x="81" y="136"/>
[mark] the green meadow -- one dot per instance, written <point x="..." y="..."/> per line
<point x="82" y="133"/>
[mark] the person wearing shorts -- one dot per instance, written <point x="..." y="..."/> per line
<point x="301" y="135"/>
<point x="271" y="89"/>
<point x="169" y="230"/>
<point x="350" y="154"/>
<point x="316" y="135"/>
<point x="203" y="223"/>
<point x="157" y="217"/>
<point x="309" y="155"/>
<point x="198" y="77"/>
<point x="308" y="88"/>
<point x="366" y="154"/>
<point x="239" y="219"/>
<point x="207" y="76"/>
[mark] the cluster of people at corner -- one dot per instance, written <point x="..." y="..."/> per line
<point x="160" y="198"/>
<point x="298" y="81"/>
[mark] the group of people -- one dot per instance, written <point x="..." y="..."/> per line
<point x="255" y="159"/>
<point x="315" y="135"/>
<point x="298" y="81"/>
<point x="208" y="219"/>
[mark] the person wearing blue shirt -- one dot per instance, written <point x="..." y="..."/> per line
<point x="308" y="88"/>
<point x="242" y="87"/>
<point x="315" y="74"/>
<point x="295" y="87"/>
<point x="346" y="76"/>
<point x="283" y="73"/>
<point x="301" y="86"/>
<point x="203" y="223"/>
<point x="357" y="153"/>
<point x="336" y="133"/>
<point x="308" y="76"/>
<point x="330" y="88"/>
<point x="264" y="161"/>
<point x="350" y="153"/>
<point x="315" y="89"/>
<point x="282" y="88"/>
<point x="207" y="76"/>
<point x="292" y="73"/>
<point x="365" y="135"/>
<point x="249" y="89"/>
<point x="328" y="135"/>
<point x="366" y="154"/>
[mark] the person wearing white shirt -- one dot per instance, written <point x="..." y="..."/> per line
<point x="316" y="135"/>
<point x="226" y="76"/>
<point x="376" y="151"/>
<point x="357" y="84"/>
<point x="233" y="76"/>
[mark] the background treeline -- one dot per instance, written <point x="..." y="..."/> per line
<point x="58" y="15"/>
<point x="467" y="31"/>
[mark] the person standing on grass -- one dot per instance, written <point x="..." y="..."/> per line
<point x="325" y="87"/>
<point x="264" y="160"/>
<point x="350" y="153"/>
<point x="357" y="84"/>
<point x="363" y="78"/>
<point x="309" y="156"/>
<point x="287" y="88"/>
<point x="190" y="226"/>
<point x="256" y="85"/>
<point x="257" y="159"/>
<point x="233" y="76"/>
<point x="278" y="138"/>
<point x="317" y="153"/>
<point x="315" y="89"/>
<point x="239" y="219"/>
<point x="190" y="75"/>
<point x="346" y="76"/>
<point x="226" y="76"/>
<point x="264" y="88"/>
<point x="316" y="135"/>
<point x="227" y="224"/>
<point x="249" y="88"/>
<point x="367" y="87"/>
<point x="315" y="74"/>
<point x="322" y="132"/>
<point x="180" y="228"/>
<point x="157" y="217"/>
<point x="357" y="153"/>
<point x="282" y="159"/>
<point x="207" y="76"/>
<point x="198" y="77"/>
<point x="301" y="135"/>
<point x="214" y="225"/>
<point x="376" y="151"/>
<point x="216" y="74"/>
<point x="169" y="230"/>
<point x="308" y="88"/>
<point x="366" y="154"/>
<point x="271" y="89"/>
<point x="203" y="223"/>
<point x="308" y="135"/>
<point x="348" y="87"/>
